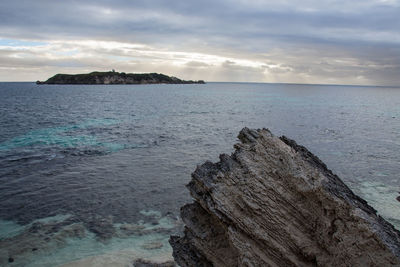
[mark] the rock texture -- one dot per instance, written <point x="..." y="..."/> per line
<point x="146" y="263"/>
<point x="113" y="77"/>
<point x="273" y="203"/>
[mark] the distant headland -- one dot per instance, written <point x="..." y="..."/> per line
<point x="112" y="77"/>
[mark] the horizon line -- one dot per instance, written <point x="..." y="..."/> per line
<point x="279" y="83"/>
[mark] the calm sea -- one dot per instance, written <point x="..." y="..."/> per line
<point x="90" y="170"/>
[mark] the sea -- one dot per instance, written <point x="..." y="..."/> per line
<point x="95" y="175"/>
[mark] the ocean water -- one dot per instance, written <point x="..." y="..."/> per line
<point x="95" y="175"/>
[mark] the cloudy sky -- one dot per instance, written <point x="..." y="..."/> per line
<point x="305" y="41"/>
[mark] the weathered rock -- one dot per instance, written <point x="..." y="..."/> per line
<point x="273" y="203"/>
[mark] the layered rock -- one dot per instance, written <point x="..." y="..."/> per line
<point x="273" y="203"/>
<point x="112" y="77"/>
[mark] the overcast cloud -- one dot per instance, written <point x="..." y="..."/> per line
<point x="342" y="42"/>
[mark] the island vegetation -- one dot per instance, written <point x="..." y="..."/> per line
<point x="113" y="77"/>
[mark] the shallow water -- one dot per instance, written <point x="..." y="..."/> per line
<point x="100" y="170"/>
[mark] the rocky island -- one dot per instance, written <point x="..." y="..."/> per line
<point x="273" y="203"/>
<point x="112" y="77"/>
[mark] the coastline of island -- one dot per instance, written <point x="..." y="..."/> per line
<point x="112" y="77"/>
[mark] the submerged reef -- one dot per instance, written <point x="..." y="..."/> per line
<point x="273" y="203"/>
<point x="93" y="241"/>
<point x="112" y="77"/>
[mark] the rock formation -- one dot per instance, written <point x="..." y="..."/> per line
<point x="112" y="77"/>
<point x="273" y="203"/>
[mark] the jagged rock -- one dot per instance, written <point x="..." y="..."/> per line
<point x="273" y="203"/>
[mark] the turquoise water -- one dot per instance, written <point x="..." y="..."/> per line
<point x="64" y="136"/>
<point x="73" y="243"/>
<point x="96" y="174"/>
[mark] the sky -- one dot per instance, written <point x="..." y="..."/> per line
<point x="286" y="41"/>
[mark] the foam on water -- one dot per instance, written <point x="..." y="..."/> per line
<point x="383" y="198"/>
<point x="151" y="213"/>
<point x="52" y="219"/>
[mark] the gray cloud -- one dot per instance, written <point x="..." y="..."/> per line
<point x="288" y="41"/>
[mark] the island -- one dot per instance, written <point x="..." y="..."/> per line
<point x="112" y="77"/>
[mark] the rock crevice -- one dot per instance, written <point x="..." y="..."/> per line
<point x="273" y="203"/>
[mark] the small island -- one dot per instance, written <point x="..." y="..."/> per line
<point x="112" y="77"/>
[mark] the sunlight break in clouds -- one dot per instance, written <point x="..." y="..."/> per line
<point x="127" y="56"/>
<point x="332" y="41"/>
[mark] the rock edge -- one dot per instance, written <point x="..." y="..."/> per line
<point x="273" y="203"/>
